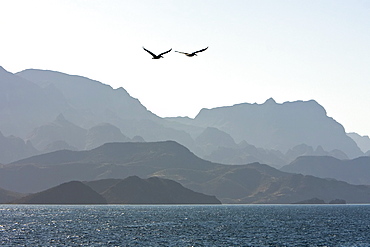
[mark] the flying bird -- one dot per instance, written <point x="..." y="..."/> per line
<point x="192" y="54"/>
<point x="157" y="56"/>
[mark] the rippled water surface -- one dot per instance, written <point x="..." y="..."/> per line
<point x="225" y="225"/>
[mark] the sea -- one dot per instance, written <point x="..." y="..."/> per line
<point x="185" y="225"/>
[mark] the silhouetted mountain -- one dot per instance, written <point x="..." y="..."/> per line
<point x="278" y="126"/>
<point x="62" y="134"/>
<point x="58" y="130"/>
<point x="103" y="103"/>
<point x="134" y="190"/>
<point x="68" y="193"/>
<point x="319" y="201"/>
<point x="216" y="137"/>
<point x="211" y="139"/>
<point x="104" y="133"/>
<point x="32" y="99"/>
<point x="355" y="171"/>
<point x="311" y="201"/>
<point x="252" y="183"/>
<point x="8" y="196"/>
<point x="24" y="105"/>
<point x="245" y="153"/>
<point x="137" y="139"/>
<point x="14" y="148"/>
<point x="58" y="145"/>
<point x="305" y="150"/>
<point x="92" y="103"/>
<point x="363" y="142"/>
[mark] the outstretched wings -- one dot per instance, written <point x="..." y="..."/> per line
<point x="193" y="53"/>
<point x="183" y="52"/>
<point x="157" y="56"/>
<point x="201" y="50"/>
<point x="165" y="52"/>
<point x="151" y="53"/>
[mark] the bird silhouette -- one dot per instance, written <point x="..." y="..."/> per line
<point x="193" y="53"/>
<point x="157" y="56"/>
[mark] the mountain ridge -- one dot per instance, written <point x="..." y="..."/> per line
<point x="250" y="183"/>
<point x="353" y="171"/>
<point x="278" y="126"/>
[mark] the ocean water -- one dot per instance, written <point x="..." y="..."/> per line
<point x="222" y="225"/>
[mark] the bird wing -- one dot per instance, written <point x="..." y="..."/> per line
<point x="201" y="50"/>
<point x="165" y="52"/>
<point x="182" y="52"/>
<point x="151" y="53"/>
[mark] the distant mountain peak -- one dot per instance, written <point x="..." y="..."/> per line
<point x="60" y="118"/>
<point x="270" y="101"/>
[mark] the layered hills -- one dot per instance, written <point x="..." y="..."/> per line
<point x="8" y="196"/>
<point x="252" y="183"/>
<point x="73" y="192"/>
<point x="363" y="142"/>
<point x="54" y="111"/>
<point x="354" y="171"/>
<point x="278" y="126"/>
<point x="132" y="190"/>
<point x="14" y="148"/>
<point x="81" y="129"/>
<point x="153" y="190"/>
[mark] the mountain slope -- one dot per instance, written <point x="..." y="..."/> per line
<point x="14" y="148"/>
<point x="134" y="190"/>
<point x="103" y="133"/>
<point x="24" y="105"/>
<point x="355" y="171"/>
<point x="58" y="130"/>
<point x="73" y="192"/>
<point x="278" y="126"/>
<point x="252" y="183"/>
<point x="8" y="196"/>
<point x="93" y="103"/>
<point x="363" y="142"/>
<point x="33" y="98"/>
<point x="86" y="94"/>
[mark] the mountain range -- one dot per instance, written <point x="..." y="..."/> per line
<point x="56" y="128"/>
<point x="363" y="142"/>
<point x="278" y="126"/>
<point x="353" y="171"/>
<point x="51" y="111"/>
<point x="131" y="190"/>
<point x="251" y="183"/>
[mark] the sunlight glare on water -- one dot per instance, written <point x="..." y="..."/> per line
<point x="222" y="225"/>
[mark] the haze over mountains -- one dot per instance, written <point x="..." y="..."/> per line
<point x="51" y="110"/>
<point x="355" y="171"/>
<point x="56" y="128"/>
<point x="251" y="183"/>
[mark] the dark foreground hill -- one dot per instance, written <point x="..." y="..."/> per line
<point x="354" y="171"/>
<point x="154" y="190"/>
<point x="251" y="183"/>
<point x="67" y="193"/>
<point x="132" y="190"/>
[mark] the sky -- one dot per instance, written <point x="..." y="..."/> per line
<point x="283" y="49"/>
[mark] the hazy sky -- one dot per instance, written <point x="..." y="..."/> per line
<point x="288" y="50"/>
